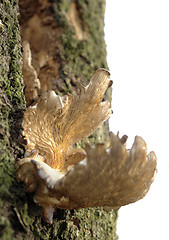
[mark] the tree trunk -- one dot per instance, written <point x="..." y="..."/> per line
<point x="65" y="40"/>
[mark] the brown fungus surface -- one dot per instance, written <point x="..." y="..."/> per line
<point x="70" y="178"/>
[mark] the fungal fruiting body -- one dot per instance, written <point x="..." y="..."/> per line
<point x="70" y="178"/>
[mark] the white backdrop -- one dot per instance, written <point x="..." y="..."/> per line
<point x="137" y="37"/>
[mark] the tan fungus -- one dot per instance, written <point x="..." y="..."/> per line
<point x="70" y="178"/>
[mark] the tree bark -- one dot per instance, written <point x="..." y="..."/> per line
<point x="66" y="40"/>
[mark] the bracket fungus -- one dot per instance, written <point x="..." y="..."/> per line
<point x="70" y="178"/>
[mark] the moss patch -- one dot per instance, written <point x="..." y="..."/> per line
<point x="82" y="224"/>
<point x="82" y="57"/>
<point x="12" y="105"/>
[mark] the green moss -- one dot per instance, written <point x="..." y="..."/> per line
<point x="12" y="104"/>
<point x="80" y="224"/>
<point x="5" y="228"/>
<point x="12" y="99"/>
<point x="82" y="57"/>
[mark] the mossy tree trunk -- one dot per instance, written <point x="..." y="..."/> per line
<point x="67" y="45"/>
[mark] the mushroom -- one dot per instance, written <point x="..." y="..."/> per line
<point x="69" y="178"/>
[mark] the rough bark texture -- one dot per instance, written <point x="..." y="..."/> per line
<point x="67" y="45"/>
